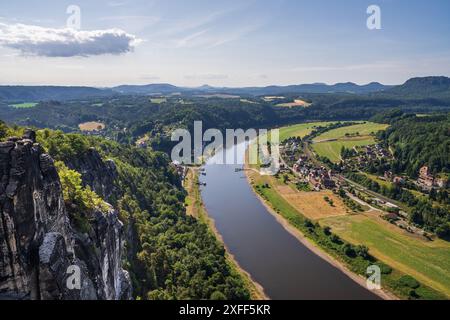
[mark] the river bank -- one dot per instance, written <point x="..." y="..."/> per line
<point x="383" y="294"/>
<point x="196" y="208"/>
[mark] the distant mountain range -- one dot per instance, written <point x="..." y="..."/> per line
<point x="427" y="87"/>
<point x="422" y="88"/>
<point x="46" y="93"/>
<point x="348" y="87"/>
<point x="162" y="88"/>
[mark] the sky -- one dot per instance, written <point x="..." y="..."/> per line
<point x="229" y="43"/>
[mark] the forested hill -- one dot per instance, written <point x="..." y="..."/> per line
<point x="45" y="93"/>
<point x="347" y="87"/>
<point x="60" y="93"/>
<point x="415" y="88"/>
<point x="420" y="88"/>
<point x="418" y="141"/>
<point x="169" y="255"/>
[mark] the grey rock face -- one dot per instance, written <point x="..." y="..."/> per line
<point x="98" y="174"/>
<point x="39" y="247"/>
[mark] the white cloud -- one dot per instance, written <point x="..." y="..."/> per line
<point x="51" y="42"/>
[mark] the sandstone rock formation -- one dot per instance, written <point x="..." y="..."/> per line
<point x="40" y="248"/>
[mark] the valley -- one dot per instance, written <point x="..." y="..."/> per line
<point x="353" y="191"/>
<point x="397" y="247"/>
<point x="224" y="159"/>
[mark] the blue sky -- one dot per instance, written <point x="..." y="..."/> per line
<point x="222" y="43"/>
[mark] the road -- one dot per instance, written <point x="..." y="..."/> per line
<point x="338" y="177"/>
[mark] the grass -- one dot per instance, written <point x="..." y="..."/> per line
<point x="332" y="149"/>
<point x="158" y="100"/>
<point x="25" y="105"/>
<point x="377" y="179"/>
<point x="300" y="130"/>
<point x="428" y="262"/>
<point x="312" y="204"/>
<point x="272" y="98"/>
<point x="364" y="129"/>
<point x="389" y="184"/>
<point x="193" y="201"/>
<point x="248" y="101"/>
<point x="390" y="247"/>
<point x="428" y="289"/>
<point x="329" y="144"/>
<point x="275" y="199"/>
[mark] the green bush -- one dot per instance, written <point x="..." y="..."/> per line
<point x="75" y="195"/>
<point x="218" y="296"/>
<point x="408" y="281"/>
<point x="385" y="269"/>
<point x="3" y="130"/>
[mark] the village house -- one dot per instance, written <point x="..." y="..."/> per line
<point x="425" y="177"/>
<point x="428" y="180"/>
<point x="320" y="178"/>
<point x="388" y="175"/>
<point x="181" y="170"/>
<point x="441" y="183"/>
<point x="314" y="181"/>
<point x="142" y="144"/>
<point x="326" y="180"/>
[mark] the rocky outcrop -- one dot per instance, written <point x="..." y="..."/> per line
<point x="98" y="174"/>
<point x="43" y="255"/>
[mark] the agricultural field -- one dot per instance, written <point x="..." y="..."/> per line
<point x="313" y="204"/>
<point x="362" y="129"/>
<point x="332" y="149"/>
<point x="91" y="126"/>
<point x="427" y="261"/>
<point x="300" y="130"/>
<point x="25" y="105"/>
<point x="248" y="101"/>
<point x="158" y="100"/>
<point x="272" y="98"/>
<point x="330" y="143"/>
<point x="296" y="103"/>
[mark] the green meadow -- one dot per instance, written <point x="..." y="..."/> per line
<point x="332" y="149"/>
<point x="427" y="261"/>
<point x="25" y="105"/>
<point x="300" y="130"/>
<point x="158" y="100"/>
<point x="362" y="129"/>
<point x="329" y="144"/>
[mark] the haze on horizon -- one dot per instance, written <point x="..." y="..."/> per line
<point x="221" y="43"/>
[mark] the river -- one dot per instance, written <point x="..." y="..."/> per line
<point x="274" y="258"/>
